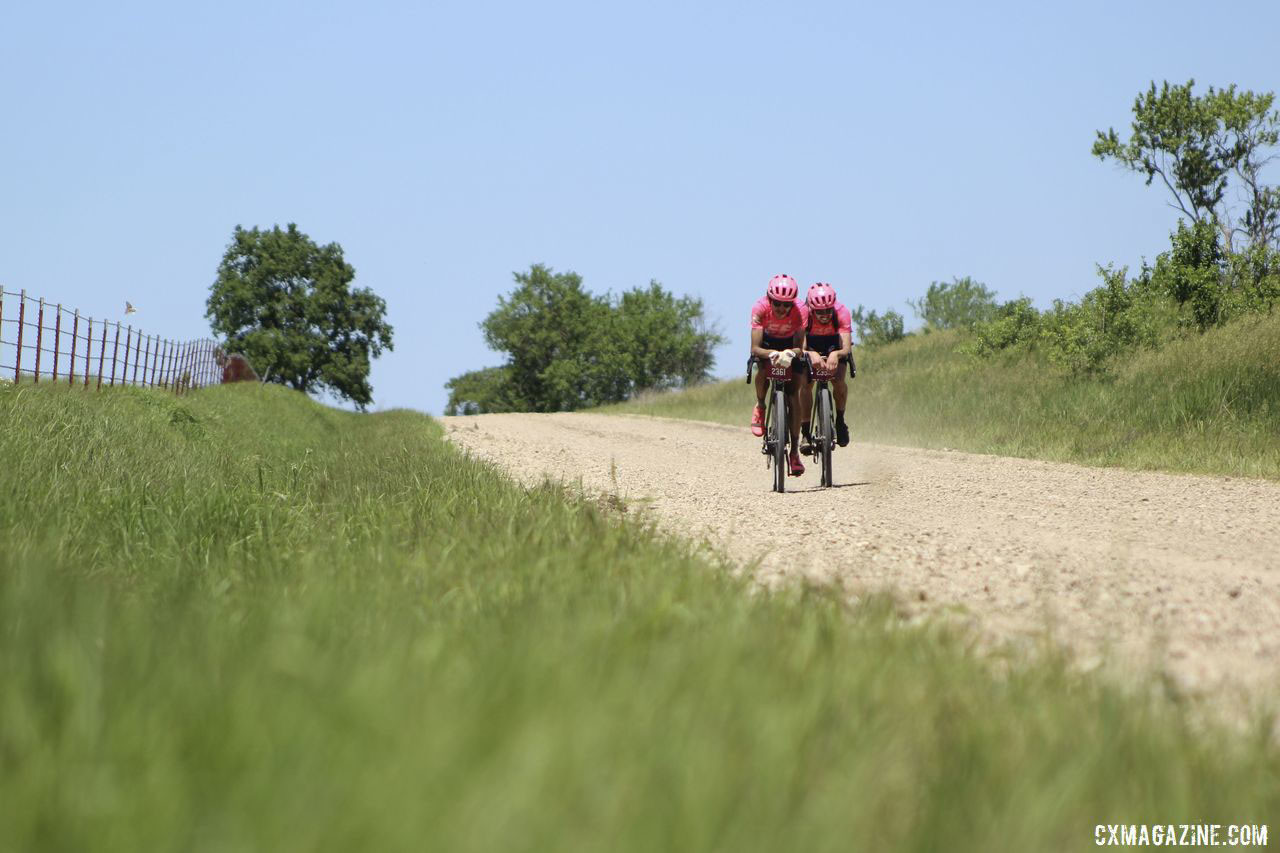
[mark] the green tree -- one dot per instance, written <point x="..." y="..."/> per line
<point x="1195" y="144"/>
<point x="1016" y="324"/>
<point x="288" y="305"/>
<point x="874" y="329"/>
<point x="569" y="349"/>
<point x="479" y="392"/>
<point x="1193" y="272"/>
<point x="667" y="341"/>
<point x="958" y="304"/>
<point x="557" y="339"/>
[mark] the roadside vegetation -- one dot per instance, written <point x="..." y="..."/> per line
<point x="240" y="620"/>
<point x="1202" y="403"/>
<point x="1174" y="367"/>
<point x="568" y="348"/>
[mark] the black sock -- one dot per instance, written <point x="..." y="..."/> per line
<point x="840" y="417"/>
<point x="804" y="429"/>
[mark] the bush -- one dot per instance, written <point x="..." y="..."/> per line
<point x="1120" y="315"/>
<point x="569" y="349"/>
<point x="877" y="329"/>
<point x="1016" y="322"/>
<point x="958" y="305"/>
<point x="1254" y="280"/>
<point x="1192" y="272"/>
<point x="479" y="392"/>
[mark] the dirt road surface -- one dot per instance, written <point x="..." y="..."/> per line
<point x="1180" y="572"/>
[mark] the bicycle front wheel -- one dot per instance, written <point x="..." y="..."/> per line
<point x="780" y="445"/>
<point x="825" y="437"/>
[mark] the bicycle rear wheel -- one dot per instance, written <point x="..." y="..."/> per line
<point x="825" y="438"/>
<point x="780" y="444"/>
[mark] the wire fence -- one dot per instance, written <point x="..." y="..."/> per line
<point x="42" y="341"/>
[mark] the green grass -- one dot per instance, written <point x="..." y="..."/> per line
<point x="241" y="621"/>
<point x="1205" y="403"/>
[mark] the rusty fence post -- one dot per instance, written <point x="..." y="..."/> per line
<point x="184" y="368"/>
<point x="71" y="359"/>
<point x="115" y="352"/>
<point x="124" y="368"/>
<point x="164" y="367"/>
<point x="88" y="353"/>
<point x="137" y="357"/>
<point x="146" y="361"/>
<point x="175" y="373"/>
<point x="155" y="361"/>
<point x="102" y="353"/>
<point x="22" y="313"/>
<point x="39" y="337"/>
<point x="57" y="337"/>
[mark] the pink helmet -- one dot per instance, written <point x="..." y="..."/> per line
<point x="821" y="296"/>
<point x="783" y="288"/>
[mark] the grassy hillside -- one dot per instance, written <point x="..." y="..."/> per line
<point x="241" y="621"/>
<point x="1207" y="403"/>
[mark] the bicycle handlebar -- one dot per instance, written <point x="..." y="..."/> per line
<point x="801" y="359"/>
<point x="853" y="368"/>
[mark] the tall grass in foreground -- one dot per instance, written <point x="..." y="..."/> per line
<point x="1209" y="403"/>
<point x="241" y="621"/>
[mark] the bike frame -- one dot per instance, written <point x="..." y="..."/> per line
<point x="822" y="418"/>
<point x="776" y="416"/>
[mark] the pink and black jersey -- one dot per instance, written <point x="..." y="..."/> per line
<point x="775" y="327"/>
<point x="839" y="322"/>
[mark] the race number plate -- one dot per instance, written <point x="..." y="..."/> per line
<point x="822" y="373"/>
<point x="774" y="371"/>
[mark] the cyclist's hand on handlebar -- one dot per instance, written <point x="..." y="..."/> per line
<point x="814" y="358"/>
<point x="782" y="358"/>
<point x="833" y="361"/>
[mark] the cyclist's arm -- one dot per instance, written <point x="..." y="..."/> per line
<point x="757" y="338"/>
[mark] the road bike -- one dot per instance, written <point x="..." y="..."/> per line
<point x="776" y="415"/>
<point x="822" y="416"/>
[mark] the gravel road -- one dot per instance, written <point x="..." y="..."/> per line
<point x="1181" y="572"/>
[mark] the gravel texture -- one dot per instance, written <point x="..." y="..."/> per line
<point x="1180" y="572"/>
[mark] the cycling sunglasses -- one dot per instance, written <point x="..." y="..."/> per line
<point x="776" y="304"/>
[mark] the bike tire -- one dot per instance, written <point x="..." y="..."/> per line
<point x="780" y="446"/>
<point x="826" y="434"/>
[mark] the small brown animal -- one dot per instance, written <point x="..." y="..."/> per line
<point x="236" y="368"/>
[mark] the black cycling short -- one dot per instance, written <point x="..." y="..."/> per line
<point x="822" y="344"/>
<point x="770" y="342"/>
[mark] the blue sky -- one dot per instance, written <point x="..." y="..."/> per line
<point x="705" y="145"/>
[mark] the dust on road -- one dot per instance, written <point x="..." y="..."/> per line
<point x="1180" y="570"/>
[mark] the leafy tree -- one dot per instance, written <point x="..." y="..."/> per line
<point x="1192" y="272"/>
<point x="288" y="305"/>
<point x="666" y="340"/>
<point x="958" y="304"/>
<point x="1255" y="279"/>
<point x="877" y="329"/>
<point x="556" y="335"/>
<point x="479" y="392"/>
<point x="569" y="349"/>
<point x="1016" y="323"/>
<point x="1194" y="144"/>
<point x="1120" y="315"/>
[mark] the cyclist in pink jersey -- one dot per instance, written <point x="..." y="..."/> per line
<point x="828" y="338"/>
<point x="778" y="325"/>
